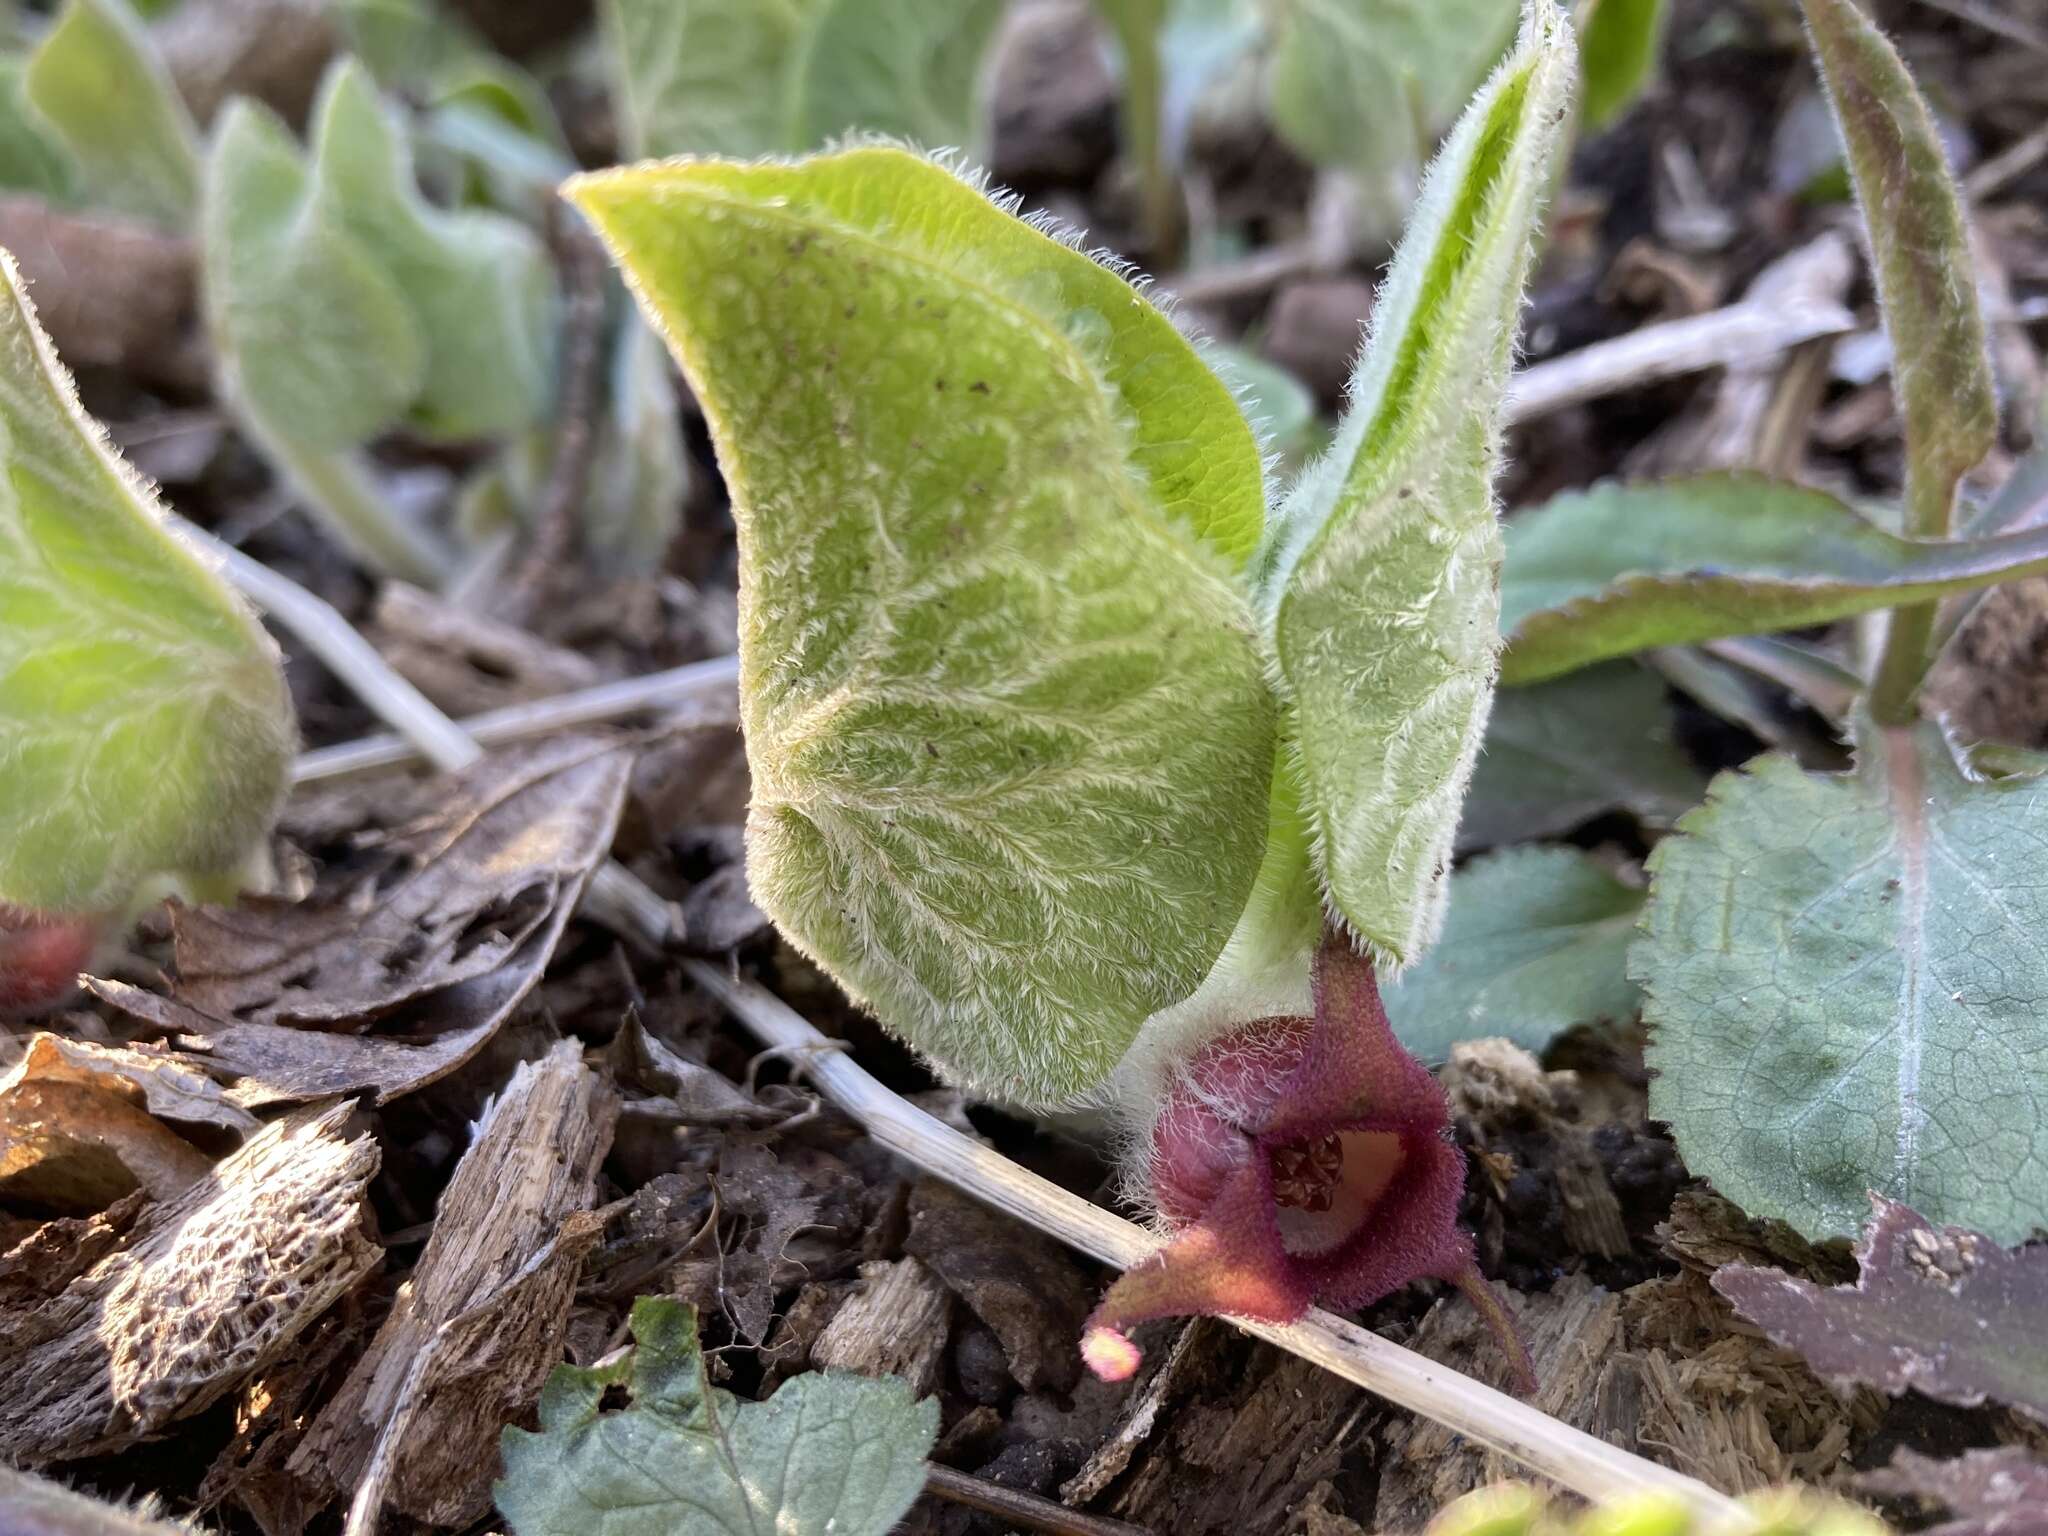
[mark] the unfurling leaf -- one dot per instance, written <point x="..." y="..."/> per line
<point x="97" y="81"/>
<point x="1945" y="1312"/>
<point x="757" y="77"/>
<point x="827" y="1455"/>
<point x="1618" y="43"/>
<point x="1535" y="941"/>
<point x="1621" y="568"/>
<point x="145" y="732"/>
<point x="991" y="510"/>
<point x="1380" y="576"/>
<point x="1925" y="271"/>
<point x="1844" y="977"/>
<point x="1560" y="753"/>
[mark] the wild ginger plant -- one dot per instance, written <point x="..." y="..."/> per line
<point x="145" y="733"/>
<point x="1069" y="746"/>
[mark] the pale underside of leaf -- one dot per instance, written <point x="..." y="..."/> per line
<point x="1622" y="568"/>
<point x="1845" y="978"/>
<point x="1381" y="572"/>
<point x="1010" y="734"/>
<point x="144" y="727"/>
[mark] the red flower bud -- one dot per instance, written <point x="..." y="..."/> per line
<point x="40" y="957"/>
<point x="1300" y="1160"/>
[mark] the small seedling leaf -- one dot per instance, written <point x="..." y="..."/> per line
<point x="1621" y="568"/>
<point x="827" y="1455"/>
<point x="1618" y="43"/>
<point x="144" y="727"/>
<point x="477" y="284"/>
<point x="989" y="506"/>
<point x="1844" y="979"/>
<point x="1535" y="942"/>
<point x="97" y="80"/>
<point x="1943" y="1311"/>
<point x="1926" y="276"/>
<point x="317" y="336"/>
<point x="1380" y="576"/>
<point x="1560" y="753"/>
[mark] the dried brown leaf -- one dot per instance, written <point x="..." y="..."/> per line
<point x="435" y="961"/>
<point x="211" y="1287"/>
<point x="1941" y="1310"/>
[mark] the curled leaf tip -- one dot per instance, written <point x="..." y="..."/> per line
<point x="1300" y="1160"/>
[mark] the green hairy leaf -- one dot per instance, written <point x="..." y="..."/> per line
<point x="1560" y="753"/>
<point x="1535" y="942"/>
<point x="1941" y="366"/>
<point x="1618" y="45"/>
<point x="1367" y="85"/>
<point x="144" y="728"/>
<point x="827" y="1455"/>
<point x="97" y="81"/>
<point x="1011" y="739"/>
<point x="1845" y="978"/>
<point x="1379" y="578"/>
<point x="756" y="77"/>
<point x="1620" y="568"/>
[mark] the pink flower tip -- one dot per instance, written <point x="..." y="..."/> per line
<point x="1110" y="1355"/>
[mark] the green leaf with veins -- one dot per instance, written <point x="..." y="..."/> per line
<point x="97" y="80"/>
<point x="704" y="77"/>
<point x="144" y="727"/>
<point x="1560" y="753"/>
<point x="1845" y="977"/>
<point x="827" y="1455"/>
<point x="757" y="77"/>
<point x="1380" y="576"/>
<point x="902" y="67"/>
<point x="991" y="510"/>
<point x="1618" y="44"/>
<point x="1535" y="943"/>
<point x="1620" y="568"/>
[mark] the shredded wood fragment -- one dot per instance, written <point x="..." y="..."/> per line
<point x="208" y="1288"/>
<point x="480" y="1322"/>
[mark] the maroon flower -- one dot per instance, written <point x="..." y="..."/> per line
<point x="1300" y="1161"/>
